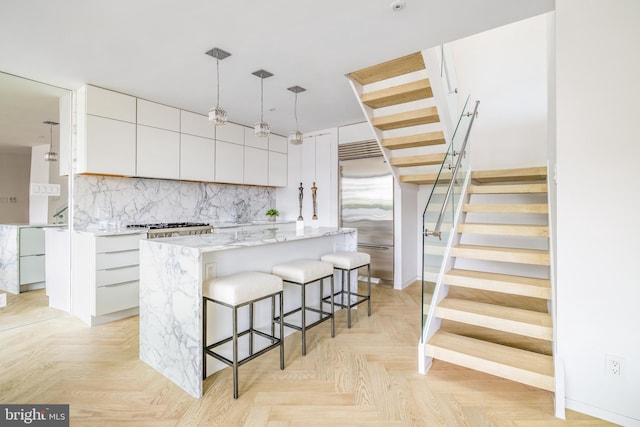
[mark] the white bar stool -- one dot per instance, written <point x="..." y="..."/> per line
<point x="303" y="272"/>
<point x="347" y="262"/>
<point x="235" y="291"/>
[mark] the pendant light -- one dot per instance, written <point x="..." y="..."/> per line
<point x="295" y="138"/>
<point x="50" y="156"/>
<point x="218" y="115"/>
<point x="262" y="129"/>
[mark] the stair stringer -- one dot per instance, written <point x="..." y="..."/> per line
<point x="441" y="290"/>
<point x="559" y="394"/>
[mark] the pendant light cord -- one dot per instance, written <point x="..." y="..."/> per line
<point x="218" y="81"/>
<point x="261" y="99"/>
<point x="295" y="110"/>
<point x="50" y="137"/>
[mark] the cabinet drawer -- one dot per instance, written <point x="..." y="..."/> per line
<point x="32" y="269"/>
<point x="117" y="297"/>
<point x="118" y="243"/>
<point x="31" y="241"/>
<point x="117" y="275"/>
<point x="117" y="259"/>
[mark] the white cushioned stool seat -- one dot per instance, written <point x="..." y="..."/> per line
<point x="239" y="288"/>
<point x="303" y="270"/>
<point x="347" y="260"/>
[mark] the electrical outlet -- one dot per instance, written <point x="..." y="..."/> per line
<point x="614" y="365"/>
<point x="211" y="270"/>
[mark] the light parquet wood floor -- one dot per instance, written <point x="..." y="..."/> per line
<point x="363" y="376"/>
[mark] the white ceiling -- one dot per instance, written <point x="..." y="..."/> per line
<point x="155" y="49"/>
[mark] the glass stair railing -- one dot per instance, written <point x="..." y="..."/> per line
<point x="442" y="208"/>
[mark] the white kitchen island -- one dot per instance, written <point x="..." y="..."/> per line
<point x="172" y="271"/>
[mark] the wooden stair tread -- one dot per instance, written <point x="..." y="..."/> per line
<point x="496" y="253"/>
<point x="412" y="91"/>
<point x="507" y="189"/>
<point x="507" y="319"/>
<point x="497" y="282"/>
<point x="505" y="229"/>
<point x="541" y="208"/>
<point x="421" y="160"/>
<point x="421" y="116"/>
<point x="386" y="70"/>
<point x="505" y="175"/>
<point x="424" y="179"/>
<point x="507" y="362"/>
<point x="412" y="141"/>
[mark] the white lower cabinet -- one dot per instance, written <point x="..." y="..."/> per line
<point x="106" y="276"/>
<point x="197" y="158"/>
<point x="158" y="153"/>
<point x="31" y="258"/>
<point x="256" y="166"/>
<point x="229" y="163"/>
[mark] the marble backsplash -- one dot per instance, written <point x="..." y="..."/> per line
<point x="142" y="200"/>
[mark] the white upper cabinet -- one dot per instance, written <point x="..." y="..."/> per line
<point x="278" y="168"/>
<point x="256" y="166"/>
<point x="122" y="135"/>
<point x="251" y="140"/>
<point x="229" y="163"/>
<point x="277" y="143"/>
<point x="196" y="124"/>
<point x="109" y="147"/>
<point x="158" y="115"/>
<point x="197" y="158"/>
<point x="113" y="105"/>
<point x="230" y="132"/>
<point x="158" y="153"/>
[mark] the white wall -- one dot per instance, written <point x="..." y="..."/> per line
<point x="39" y="205"/>
<point x="14" y="187"/>
<point x="598" y="151"/>
<point x="505" y="68"/>
<point x="316" y="159"/>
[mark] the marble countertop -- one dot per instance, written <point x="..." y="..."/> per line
<point x="34" y="225"/>
<point x="216" y="226"/>
<point x="223" y="240"/>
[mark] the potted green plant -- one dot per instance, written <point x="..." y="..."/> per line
<point x="272" y="214"/>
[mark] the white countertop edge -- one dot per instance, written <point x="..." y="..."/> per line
<point x="225" y="241"/>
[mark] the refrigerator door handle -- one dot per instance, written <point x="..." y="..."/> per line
<point x="369" y="245"/>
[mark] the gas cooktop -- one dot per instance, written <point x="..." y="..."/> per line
<point x="163" y="225"/>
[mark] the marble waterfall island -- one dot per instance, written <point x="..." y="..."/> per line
<point x="172" y="271"/>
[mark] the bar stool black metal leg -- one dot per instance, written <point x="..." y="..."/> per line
<point x="251" y="328"/>
<point x="235" y="352"/>
<point x="368" y="289"/>
<point x="304" y="320"/>
<point x="281" y="332"/>
<point x="204" y="338"/>
<point x="333" y="323"/>
<point x="348" y="299"/>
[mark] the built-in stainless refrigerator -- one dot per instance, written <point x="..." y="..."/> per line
<point x="366" y="203"/>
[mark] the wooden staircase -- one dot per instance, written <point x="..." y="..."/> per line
<point x="400" y="97"/>
<point x="492" y="320"/>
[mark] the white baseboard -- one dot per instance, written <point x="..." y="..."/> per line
<point x="602" y="413"/>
